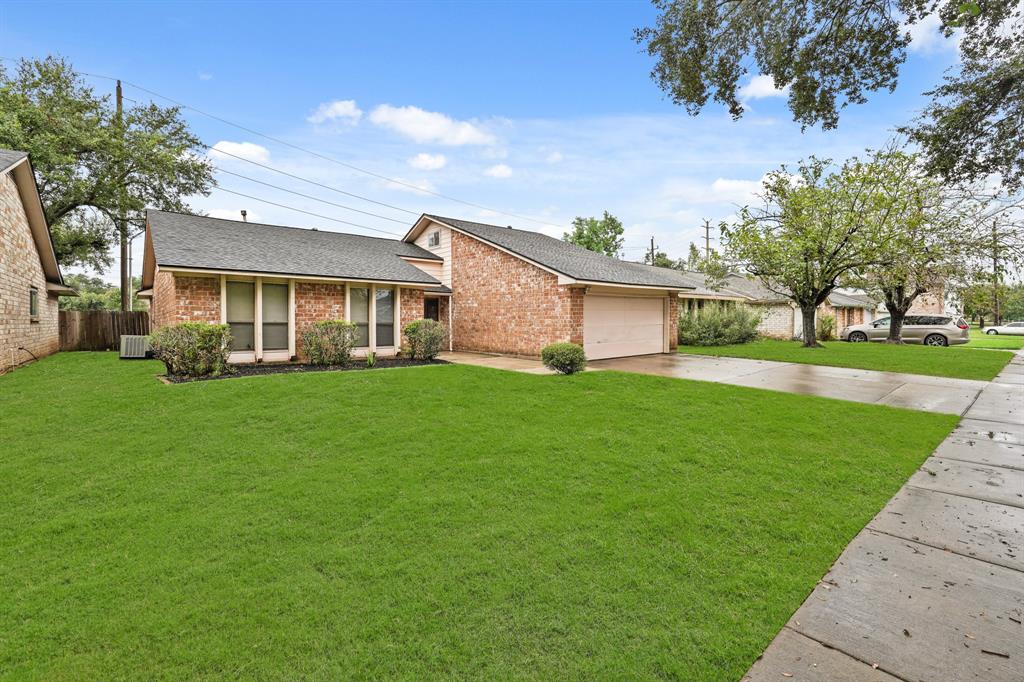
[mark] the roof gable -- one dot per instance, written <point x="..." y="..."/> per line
<point x="20" y="168"/>
<point x="564" y="258"/>
<point x="198" y="242"/>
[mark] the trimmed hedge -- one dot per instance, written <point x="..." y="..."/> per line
<point x="193" y="349"/>
<point x="564" y="358"/>
<point x="426" y="339"/>
<point x="719" y="325"/>
<point x="329" y="342"/>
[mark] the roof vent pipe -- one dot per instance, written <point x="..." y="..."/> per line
<point x="244" y="219"/>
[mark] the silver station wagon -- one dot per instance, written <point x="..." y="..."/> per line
<point x="931" y="330"/>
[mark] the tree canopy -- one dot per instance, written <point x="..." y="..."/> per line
<point x="603" y="235"/>
<point x="833" y="53"/>
<point x="89" y="166"/>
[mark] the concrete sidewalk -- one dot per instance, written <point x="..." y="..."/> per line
<point x="913" y="391"/>
<point x="933" y="587"/>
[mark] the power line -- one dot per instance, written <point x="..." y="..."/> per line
<point x="251" y="131"/>
<point x="309" y="196"/>
<point x="299" y="210"/>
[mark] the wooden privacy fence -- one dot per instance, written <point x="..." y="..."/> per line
<point x="99" y="329"/>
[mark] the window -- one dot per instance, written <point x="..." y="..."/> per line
<point x="359" y="311"/>
<point x="275" y="317"/>
<point x="432" y="309"/>
<point x="242" y="315"/>
<point x="33" y="303"/>
<point x="385" y="309"/>
<point x="434" y="239"/>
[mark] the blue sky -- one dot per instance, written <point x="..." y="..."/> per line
<point x="543" y="110"/>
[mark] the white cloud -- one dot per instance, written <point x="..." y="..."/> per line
<point x="206" y="76"/>
<point x="926" y="36"/>
<point x="430" y="126"/>
<point x="233" y="214"/>
<point x="245" y="150"/>
<point x="762" y="86"/>
<point x="424" y="161"/>
<point x="499" y="171"/>
<point x="722" y="190"/>
<point x="554" y="157"/>
<point x="343" y="110"/>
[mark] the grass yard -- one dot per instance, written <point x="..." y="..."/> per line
<point x="433" y="522"/>
<point x="980" y="339"/>
<point x="959" y="362"/>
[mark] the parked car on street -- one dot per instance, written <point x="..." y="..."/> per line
<point x="1010" y="328"/>
<point x="931" y="330"/>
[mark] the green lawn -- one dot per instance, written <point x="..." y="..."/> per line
<point x="955" y="361"/>
<point x="433" y="522"/>
<point x="980" y="339"/>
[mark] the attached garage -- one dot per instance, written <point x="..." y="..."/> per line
<point x="617" y="326"/>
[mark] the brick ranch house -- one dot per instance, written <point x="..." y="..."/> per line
<point x="30" y="278"/>
<point x="495" y="289"/>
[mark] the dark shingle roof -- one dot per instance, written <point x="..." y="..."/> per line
<point x="8" y="158"/>
<point x="838" y="299"/>
<point x="214" y="244"/>
<point x="569" y="259"/>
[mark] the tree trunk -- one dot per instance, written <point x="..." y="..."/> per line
<point x="810" y="333"/>
<point x="896" y="317"/>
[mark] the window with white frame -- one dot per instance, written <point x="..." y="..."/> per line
<point x="434" y="239"/>
<point x="33" y="303"/>
<point x="275" y="316"/>
<point x="359" y="312"/>
<point x="242" y="315"/>
<point x="384" y="300"/>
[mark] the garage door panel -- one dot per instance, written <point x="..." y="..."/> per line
<point x="617" y="326"/>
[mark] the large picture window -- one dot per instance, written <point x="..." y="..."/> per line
<point x="242" y="315"/>
<point x="385" y="302"/>
<point x="275" y="317"/>
<point x="359" y="311"/>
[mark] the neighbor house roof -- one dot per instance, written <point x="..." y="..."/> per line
<point x="202" y="243"/>
<point x="19" y="166"/>
<point x="838" y="299"/>
<point x="564" y="258"/>
<point x="9" y="157"/>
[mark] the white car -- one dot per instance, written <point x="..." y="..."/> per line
<point x="1010" y="328"/>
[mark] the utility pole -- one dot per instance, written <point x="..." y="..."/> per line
<point x="707" y="239"/>
<point x="652" y="250"/>
<point x="997" y="317"/>
<point x="122" y="221"/>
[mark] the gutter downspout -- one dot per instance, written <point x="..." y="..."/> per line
<point x="451" y="330"/>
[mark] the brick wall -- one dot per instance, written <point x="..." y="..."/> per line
<point x="315" y="301"/>
<point x="162" y="308"/>
<point x="505" y="305"/>
<point x="776" y="320"/>
<point x="411" y="309"/>
<point x="928" y="304"/>
<point x="20" y="270"/>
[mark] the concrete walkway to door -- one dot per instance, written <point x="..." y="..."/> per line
<point x="914" y="391"/>
<point x="933" y="587"/>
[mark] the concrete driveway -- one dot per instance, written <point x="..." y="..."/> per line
<point x="913" y="391"/>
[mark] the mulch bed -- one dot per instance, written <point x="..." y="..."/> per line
<point x="252" y="370"/>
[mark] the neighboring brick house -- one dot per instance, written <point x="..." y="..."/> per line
<point x="494" y="289"/>
<point x="30" y="279"/>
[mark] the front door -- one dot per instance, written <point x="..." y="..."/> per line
<point x="432" y="309"/>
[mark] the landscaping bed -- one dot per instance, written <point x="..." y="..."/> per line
<point x="260" y="369"/>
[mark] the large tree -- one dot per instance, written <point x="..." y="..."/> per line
<point x="809" y="234"/>
<point x="603" y="235"/>
<point x="922" y="235"/>
<point x="832" y="53"/>
<point x="97" y="171"/>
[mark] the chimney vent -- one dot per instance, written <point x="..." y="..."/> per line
<point x="244" y="213"/>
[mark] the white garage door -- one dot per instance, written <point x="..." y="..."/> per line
<point x="616" y="326"/>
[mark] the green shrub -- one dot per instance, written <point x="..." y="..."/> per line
<point x="564" y="358"/>
<point x="426" y="339"/>
<point x="329" y="342"/>
<point x="193" y="349"/>
<point x="719" y="325"/>
<point x="826" y="328"/>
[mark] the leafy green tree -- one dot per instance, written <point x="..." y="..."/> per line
<point x="809" y="235"/>
<point x="921" y="237"/>
<point x="91" y="166"/>
<point x="662" y="260"/>
<point x="96" y="294"/>
<point x="832" y="53"/>
<point x="603" y="235"/>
